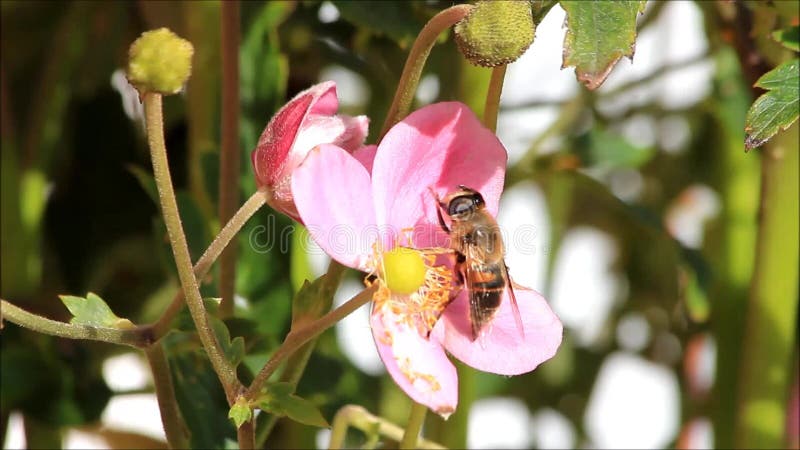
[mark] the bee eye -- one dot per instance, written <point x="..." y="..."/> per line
<point x="459" y="206"/>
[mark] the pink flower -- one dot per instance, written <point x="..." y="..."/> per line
<point x="356" y="206"/>
<point x="308" y="120"/>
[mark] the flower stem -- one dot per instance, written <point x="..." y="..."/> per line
<point x="139" y="337"/>
<point x="180" y="250"/>
<point x="297" y="338"/>
<point x="229" y="151"/>
<point x="174" y="426"/>
<point x="296" y="363"/>
<point x="493" y="98"/>
<point x="253" y="204"/>
<point x="246" y="435"/>
<point x="412" y="71"/>
<point x="415" y="421"/>
<point x="771" y="320"/>
<point x="358" y="417"/>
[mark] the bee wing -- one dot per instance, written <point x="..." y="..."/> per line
<point x="485" y="285"/>
<point x="514" y="305"/>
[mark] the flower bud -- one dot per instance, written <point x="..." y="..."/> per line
<point x="308" y="120"/>
<point x="159" y="61"/>
<point x="495" y="32"/>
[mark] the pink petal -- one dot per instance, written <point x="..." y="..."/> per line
<point x="439" y="146"/>
<point x="418" y="365"/>
<point x="333" y="194"/>
<point x="502" y="349"/>
<point x="355" y="132"/>
<point x="366" y="156"/>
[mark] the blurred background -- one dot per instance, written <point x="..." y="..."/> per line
<point x="633" y="208"/>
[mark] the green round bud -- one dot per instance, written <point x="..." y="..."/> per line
<point x="496" y="32"/>
<point x="404" y="270"/>
<point x="159" y="61"/>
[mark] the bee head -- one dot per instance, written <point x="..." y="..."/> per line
<point x="464" y="203"/>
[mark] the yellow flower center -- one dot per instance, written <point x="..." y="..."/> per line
<point x="404" y="270"/>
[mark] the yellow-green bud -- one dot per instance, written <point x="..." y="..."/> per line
<point x="159" y="61"/>
<point x="404" y="270"/>
<point x="496" y="32"/>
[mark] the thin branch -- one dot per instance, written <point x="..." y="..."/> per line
<point x="229" y="152"/>
<point x="296" y="339"/>
<point x="180" y="249"/>
<point x="414" y="426"/>
<point x="493" y="98"/>
<point x="139" y="337"/>
<point x="412" y="71"/>
<point x="357" y="417"/>
<point x="174" y="426"/>
<point x="253" y="204"/>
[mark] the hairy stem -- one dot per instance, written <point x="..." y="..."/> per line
<point x="493" y="98"/>
<point x="296" y="339"/>
<point x="253" y="204"/>
<point x="177" y="238"/>
<point x="296" y="363"/>
<point x="412" y="71"/>
<point x="415" y="421"/>
<point x="358" y="417"/>
<point x="139" y="337"/>
<point x="229" y="152"/>
<point x="174" y="426"/>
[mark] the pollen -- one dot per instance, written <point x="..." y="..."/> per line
<point x="411" y="287"/>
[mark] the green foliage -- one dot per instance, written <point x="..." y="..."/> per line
<point x="789" y="37"/>
<point x="397" y="20"/>
<point x="599" y="33"/>
<point x="240" y="412"/>
<point x="233" y="348"/>
<point x="778" y="108"/>
<point x="279" y="399"/>
<point x="93" y="311"/>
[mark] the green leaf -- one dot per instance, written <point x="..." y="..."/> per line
<point x="599" y="33"/>
<point x="313" y="300"/>
<point x="789" y="37"/>
<point x="240" y="412"/>
<point x="93" y="311"/>
<point x="280" y="400"/>
<point x="393" y="19"/>
<point x="777" y="109"/>
<point x="233" y="348"/>
<point x="146" y="180"/>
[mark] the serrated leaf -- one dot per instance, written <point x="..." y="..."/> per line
<point x="279" y="400"/>
<point x="93" y="311"/>
<point x="599" y="33"/>
<point x="776" y="110"/>
<point x="312" y="301"/>
<point x="303" y="411"/>
<point x="233" y="348"/>
<point x="789" y="37"/>
<point x="240" y="412"/>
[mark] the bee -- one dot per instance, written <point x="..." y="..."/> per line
<point x="480" y="256"/>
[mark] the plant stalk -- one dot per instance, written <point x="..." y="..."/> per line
<point x="358" y="417"/>
<point x="297" y="338"/>
<point x="169" y="207"/>
<point x="174" y="426"/>
<point x="493" y="98"/>
<point x="226" y="235"/>
<point x="771" y="320"/>
<point x="138" y="337"/>
<point x="229" y="151"/>
<point x="415" y="62"/>
<point x="415" y="422"/>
